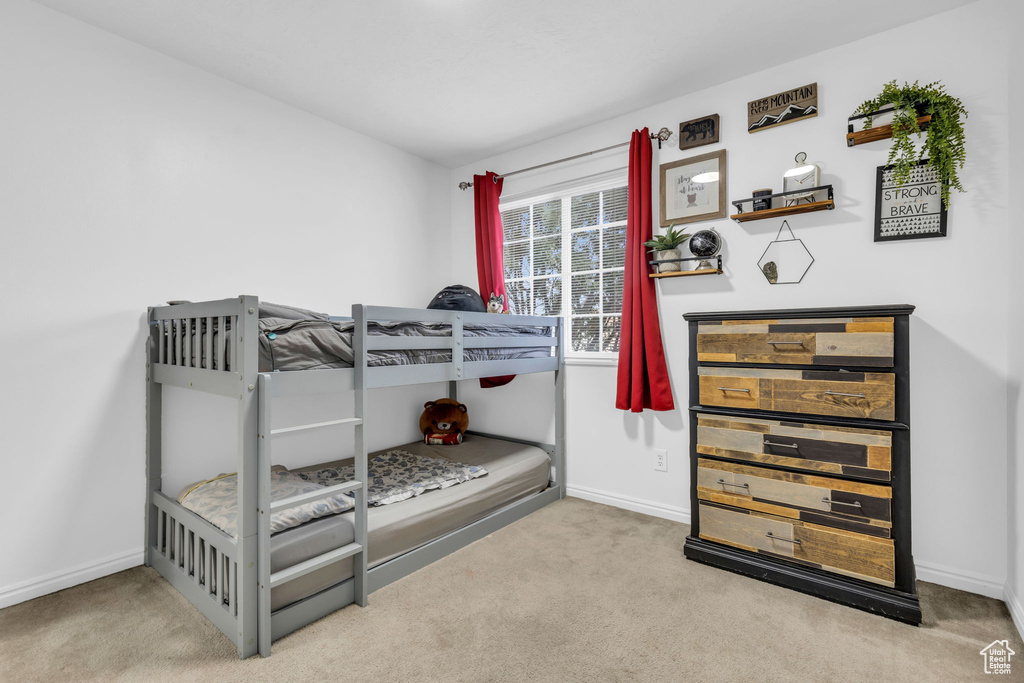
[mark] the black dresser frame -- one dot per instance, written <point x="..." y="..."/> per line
<point x="901" y="602"/>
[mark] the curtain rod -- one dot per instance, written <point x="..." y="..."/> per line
<point x="661" y="136"/>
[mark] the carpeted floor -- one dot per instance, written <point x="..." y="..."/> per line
<point x="575" y="592"/>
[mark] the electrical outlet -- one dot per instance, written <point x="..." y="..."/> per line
<point x="660" y="460"/>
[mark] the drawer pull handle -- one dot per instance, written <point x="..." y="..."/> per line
<point x="723" y="482"/>
<point x="745" y="391"/>
<point x="781" y="445"/>
<point x="772" y="536"/>
<point x="773" y="343"/>
<point x="839" y="393"/>
<point x="854" y="504"/>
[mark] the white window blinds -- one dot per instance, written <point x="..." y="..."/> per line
<point x="565" y="255"/>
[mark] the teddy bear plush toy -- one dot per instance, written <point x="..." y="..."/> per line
<point x="444" y="421"/>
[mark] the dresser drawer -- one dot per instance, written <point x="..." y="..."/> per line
<point x="865" y="453"/>
<point x="865" y="508"/>
<point x="825" y="341"/>
<point x="815" y="392"/>
<point x="835" y="550"/>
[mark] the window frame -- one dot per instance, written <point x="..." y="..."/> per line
<point x="565" y="192"/>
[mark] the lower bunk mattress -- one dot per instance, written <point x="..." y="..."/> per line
<point x="515" y="471"/>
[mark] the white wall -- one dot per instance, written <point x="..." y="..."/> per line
<point x="958" y="283"/>
<point x="128" y="179"/>
<point x="1015" y="400"/>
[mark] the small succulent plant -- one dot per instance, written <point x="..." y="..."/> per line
<point x="670" y="240"/>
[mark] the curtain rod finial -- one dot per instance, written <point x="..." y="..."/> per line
<point x="661" y="136"/>
<point x="464" y="185"/>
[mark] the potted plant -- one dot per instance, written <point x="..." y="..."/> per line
<point x="944" y="142"/>
<point x="667" y="247"/>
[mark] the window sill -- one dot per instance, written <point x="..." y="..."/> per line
<point x="601" y="361"/>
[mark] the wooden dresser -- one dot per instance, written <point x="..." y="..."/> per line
<point x="800" y="451"/>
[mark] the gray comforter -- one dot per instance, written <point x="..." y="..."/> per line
<point x="298" y="339"/>
<point x="315" y="343"/>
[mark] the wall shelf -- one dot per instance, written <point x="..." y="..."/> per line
<point x="685" y="273"/>
<point x="825" y="205"/>
<point x="860" y="137"/>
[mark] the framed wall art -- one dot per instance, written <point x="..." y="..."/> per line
<point x="782" y="108"/>
<point x="912" y="210"/>
<point x="698" y="132"/>
<point x="693" y="189"/>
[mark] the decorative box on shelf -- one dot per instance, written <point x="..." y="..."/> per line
<point x="795" y="206"/>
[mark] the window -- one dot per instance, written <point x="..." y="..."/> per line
<point x="565" y="255"/>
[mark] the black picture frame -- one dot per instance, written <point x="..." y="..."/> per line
<point x="913" y="210"/>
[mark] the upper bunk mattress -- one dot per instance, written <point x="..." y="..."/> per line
<point x="514" y="471"/>
<point x="316" y="343"/>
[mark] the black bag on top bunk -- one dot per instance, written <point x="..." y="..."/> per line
<point x="458" y="298"/>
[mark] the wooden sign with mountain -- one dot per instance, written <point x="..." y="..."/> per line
<point x="785" y="107"/>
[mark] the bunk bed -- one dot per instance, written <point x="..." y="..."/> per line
<point x="256" y="586"/>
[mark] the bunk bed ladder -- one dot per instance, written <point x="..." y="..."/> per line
<point x="268" y="580"/>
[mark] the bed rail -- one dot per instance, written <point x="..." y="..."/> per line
<point x="200" y="345"/>
<point x="397" y="314"/>
<point x="209" y="346"/>
<point x="199" y="559"/>
<point x="457" y="342"/>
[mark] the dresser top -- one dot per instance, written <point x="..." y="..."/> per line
<point x="837" y="312"/>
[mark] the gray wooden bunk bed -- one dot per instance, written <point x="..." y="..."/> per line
<point x="214" y="347"/>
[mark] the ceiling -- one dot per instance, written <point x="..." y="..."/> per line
<point x="456" y="81"/>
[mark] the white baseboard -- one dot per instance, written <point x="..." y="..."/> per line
<point x="676" y="514"/>
<point x="1016" y="610"/>
<point x="961" y="580"/>
<point x="926" y="571"/>
<point x="51" y="583"/>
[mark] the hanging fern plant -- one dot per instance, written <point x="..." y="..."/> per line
<point x="944" y="141"/>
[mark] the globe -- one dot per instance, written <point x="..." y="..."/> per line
<point x="705" y="243"/>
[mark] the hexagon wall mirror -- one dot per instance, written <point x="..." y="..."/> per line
<point x="785" y="261"/>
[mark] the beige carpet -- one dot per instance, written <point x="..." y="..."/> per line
<point x="575" y="592"/>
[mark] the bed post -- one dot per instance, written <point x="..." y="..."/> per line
<point x="154" y="442"/>
<point x="457" y="357"/>
<point x="560" y="478"/>
<point x="359" y="560"/>
<point x="246" y="354"/>
<point x="265" y="391"/>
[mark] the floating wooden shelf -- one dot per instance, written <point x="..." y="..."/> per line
<point x="744" y="216"/>
<point x="861" y="137"/>
<point x="828" y="204"/>
<point x="683" y="273"/>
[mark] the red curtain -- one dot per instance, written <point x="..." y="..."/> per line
<point x="490" y="266"/>
<point x="643" y="376"/>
